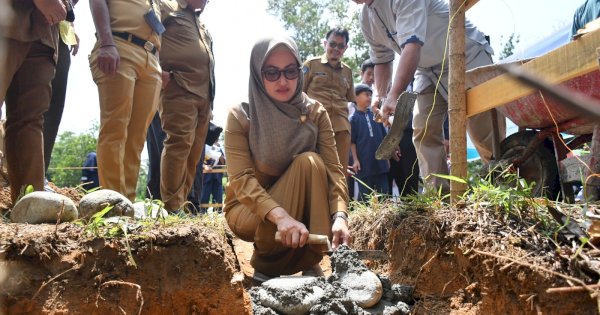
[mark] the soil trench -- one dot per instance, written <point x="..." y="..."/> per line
<point x="183" y="269"/>
<point x="195" y="267"/>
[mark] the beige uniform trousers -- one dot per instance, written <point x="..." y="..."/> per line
<point x="428" y="138"/>
<point x="25" y="86"/>
<point x="128" y="100"/>
<point x="184" y="118"/>
<point x="303" y="192"/>
<point x="342" y="145"/>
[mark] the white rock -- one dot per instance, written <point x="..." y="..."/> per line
<point x="363" y="288"/>
<point x="141" y="209"/>
<point x="291" y="295"/>
<point x="43" y="207"/>
<point x="98" y="200"/>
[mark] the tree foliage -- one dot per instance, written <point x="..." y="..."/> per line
<point x="140" y="189"/>
<point x="70" y="151"/>
<point x="309" y="20"/>
<point x="508" y="48"/>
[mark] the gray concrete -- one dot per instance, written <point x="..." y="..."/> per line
<point x="291" y="295"/>
<point x="351" y="289"/>
<point x="44" y="207"/>
<point x="363" y="288"/>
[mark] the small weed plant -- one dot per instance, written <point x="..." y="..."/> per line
<point x="501" y="190"/>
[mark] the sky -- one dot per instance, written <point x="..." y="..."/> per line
<point x="236" y="24"/>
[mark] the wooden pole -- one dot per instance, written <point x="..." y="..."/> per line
<point x="457" y="108"/>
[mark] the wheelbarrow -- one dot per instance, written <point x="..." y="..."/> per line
<point x="540" y="151"/>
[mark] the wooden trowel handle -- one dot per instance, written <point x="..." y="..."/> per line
<point x="312" y="238"/>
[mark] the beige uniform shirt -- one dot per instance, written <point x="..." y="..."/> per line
<point x="27" y="24"/>
<point x="249" y="186"/>
<point x="128" y="16"/>
<point x="332" y="87"/>
<point x="187" y="50"/>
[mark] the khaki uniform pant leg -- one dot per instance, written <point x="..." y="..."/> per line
<point x="428" y="137"/>
<point x="184" y="119"/>
<point x="145" y="104"/>
<point x="128" y="100"/>
<point x="27" y="99"/>
<point x="303" y="192"/>
<point x="479" y="126"/>
<point x="342" y="144"/>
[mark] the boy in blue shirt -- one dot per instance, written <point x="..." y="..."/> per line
<point x="366" y="136"/>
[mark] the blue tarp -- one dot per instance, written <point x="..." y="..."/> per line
<point x="544" y="45"/>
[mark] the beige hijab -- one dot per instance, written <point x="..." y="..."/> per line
<point x="278" y="131"/>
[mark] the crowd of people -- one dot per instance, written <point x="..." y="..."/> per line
<point x="289" y="146"/>
<point x="134" y="82"/>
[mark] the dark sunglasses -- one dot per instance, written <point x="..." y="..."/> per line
<point x="273" y="74"/>
<point x="339" y="46"/>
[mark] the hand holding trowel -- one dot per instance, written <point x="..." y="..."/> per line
<point x="324" y="240"/>
<point x="404" y="107"/>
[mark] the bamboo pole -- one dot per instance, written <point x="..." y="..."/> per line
<point x="457" y="108"/>
<point x="470" y="3"/>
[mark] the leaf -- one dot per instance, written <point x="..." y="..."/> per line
<point x="29" y="189"/>
<point x="98" y="216"/>
<point x="450" y="177"/>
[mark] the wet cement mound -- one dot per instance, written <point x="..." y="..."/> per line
<point x="350" y="289"/>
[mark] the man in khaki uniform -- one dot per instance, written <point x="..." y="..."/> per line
<point x="328" y="80"/>
<point x="125" y="67"/>
<point x="28" y="54"/>
<point x="186" y="101"/>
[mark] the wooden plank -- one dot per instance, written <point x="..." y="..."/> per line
<point x="213" y="205"/>
<point x="564" y="63"/>
<point x="215" y="170"/>
<point x="470" y="3"/>
<point x="457" y="100"/>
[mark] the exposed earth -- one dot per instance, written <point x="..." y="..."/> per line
<point x="470" y="259"/>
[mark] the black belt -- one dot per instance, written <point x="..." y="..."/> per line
<point x="147" y="45"/>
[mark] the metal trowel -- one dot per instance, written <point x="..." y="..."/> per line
<point x="371" y="254"/>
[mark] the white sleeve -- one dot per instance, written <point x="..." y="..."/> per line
<point x="411" y="21"/>
<point x="378" y="52"/>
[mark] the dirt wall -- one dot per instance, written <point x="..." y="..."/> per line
<point x="450" y="266"/>
<point x="179" y="270"/>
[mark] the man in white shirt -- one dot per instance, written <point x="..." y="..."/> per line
<point x="416" y="30"/>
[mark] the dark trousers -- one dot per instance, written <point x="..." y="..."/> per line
<point x="154" y="140"/>
<point x="406" y="171"/>
<point x="213" y="187"/>
<point x="377" y="182"/>
<point x="57" y="103"/>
